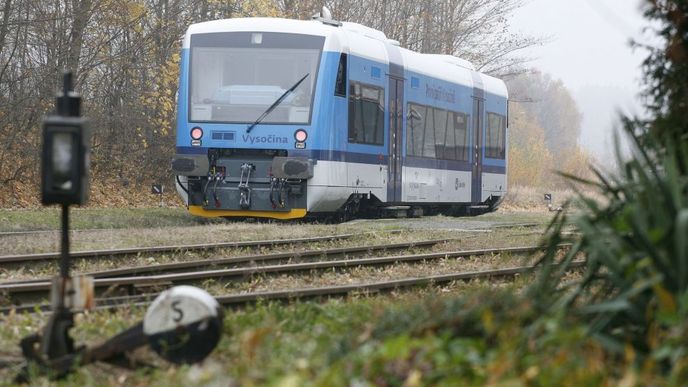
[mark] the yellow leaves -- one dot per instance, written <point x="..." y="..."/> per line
<point x="260" y="8"/>
<point x="251" y="341"/>
<point x="291" y="380"/>
<point x="529" y="160"/>
<point x="629" y="353"/>
<point x="630" y="378"/>
<point x="159" y="101"/>
<point x="667" y="303"/>
<point x="488" y="320"/>
<point x="531" y="163"/>
<point x="531" y="373"/>
<point x="135" y="9"/>
<point x="414" y="379"/>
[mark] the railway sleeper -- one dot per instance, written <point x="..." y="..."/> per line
<point x="156" y="286"/>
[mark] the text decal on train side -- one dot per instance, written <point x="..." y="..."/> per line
<point x="269" y="139"/>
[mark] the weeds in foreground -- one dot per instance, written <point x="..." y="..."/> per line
<point x="634" y="291"/>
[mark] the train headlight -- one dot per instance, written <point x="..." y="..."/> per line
<point x="300" y="135"/>
<point x="196" y="133"/>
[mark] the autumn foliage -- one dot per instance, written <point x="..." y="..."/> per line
<point x="126" y="54"/>
<point x="544" y="125"/>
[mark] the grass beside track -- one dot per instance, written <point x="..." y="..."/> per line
<point x="460" y="334"/>
<point x="98" y="218"/>
<point x="402" y="337"/>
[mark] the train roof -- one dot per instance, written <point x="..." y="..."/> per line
<point x="362" y="41"/>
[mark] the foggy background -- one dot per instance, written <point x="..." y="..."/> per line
<point x="588" y="48"/>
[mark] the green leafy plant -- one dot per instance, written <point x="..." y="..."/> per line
<point x="633" y="291"/>
<point x="636" y="245"/>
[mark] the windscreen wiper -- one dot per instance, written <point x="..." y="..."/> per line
<point x="274" y="104"/>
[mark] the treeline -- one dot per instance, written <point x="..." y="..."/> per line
<point x="125" y="54"/>
<point x="545" y="126"/>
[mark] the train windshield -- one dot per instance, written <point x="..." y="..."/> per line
<point x="236" y="76"/>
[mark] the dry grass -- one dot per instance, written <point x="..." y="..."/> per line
<point x="91" y="328"/>
<point x="462" y="240"/>
<point x="363" y="274"/>
<point x="147" y="237"/>
<point x="522" y="198"/>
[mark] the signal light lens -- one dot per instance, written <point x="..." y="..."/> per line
<point x="300" y="135"/>
<point x="196" y="133"/>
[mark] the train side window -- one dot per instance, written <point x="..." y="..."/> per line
<point x="429" y="138"/>
<point x="440" y="133"/>
<point x="414" y="130"/>
<point x="450" y="150"/>
<point x="495" y="147"/>
<point x="340" y="84"/>
<point x="366" y="114"/>
<point x="436" y="133"/>
<point x="461" y="131"/>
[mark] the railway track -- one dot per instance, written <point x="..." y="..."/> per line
<point x="89" y="254"/>
<point x="236" y="300"/>
<point x="39" y="232"/>
<point x="39" y="289"/>
<point x="80" y="230"/>
<point x="254" y="258"/>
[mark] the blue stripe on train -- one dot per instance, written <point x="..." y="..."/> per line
<point x="373" y="159"/>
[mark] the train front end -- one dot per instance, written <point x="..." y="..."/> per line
<point x="246" y="116"/>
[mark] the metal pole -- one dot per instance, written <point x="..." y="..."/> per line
<point x="64" y="261"/>
<point x="63" y="108"/>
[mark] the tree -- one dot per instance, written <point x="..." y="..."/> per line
<point x="475" y="30"/>
<point x="530" y="161"/>
<point x="550" y="102"/>
<point x="126" y="54"/>
<point x="544" y="128"/>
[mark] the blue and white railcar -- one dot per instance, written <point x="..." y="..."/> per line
<point x="286" y="119"/>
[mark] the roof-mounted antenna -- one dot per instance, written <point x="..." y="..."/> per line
<point x="325" y="13"/>
<point x="325" y="17"/>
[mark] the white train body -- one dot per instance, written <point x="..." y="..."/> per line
<point x="366" y="126"/>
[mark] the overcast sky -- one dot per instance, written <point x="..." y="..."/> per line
<point x="589" y="51"/>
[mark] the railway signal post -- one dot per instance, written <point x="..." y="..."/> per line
<point x="64" y="181"/>
<point x="183" y="325"/>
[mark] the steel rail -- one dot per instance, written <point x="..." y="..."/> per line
<point x="235" y="300"/>
<point x="517" y="225"/>
<point x="166" y="279"/>
<point x="238" y="299"/>
<point x="55" y="231"/>
<point x="161" y="249"/>
<point x="171" y="267"/>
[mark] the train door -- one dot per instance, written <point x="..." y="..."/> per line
<point x="396" y="115"/>
<point x="478" y="129"/>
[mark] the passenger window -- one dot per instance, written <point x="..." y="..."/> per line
<point x="450" y="150"/>
<point x="340" y="84"/>
<point x="436" y="133"/>
<point x="440" y="133"/>
<point x="461" y="131"/>
<point x="429" y="142"/>
<point x="495" y="137"/>
<point x="414" y="130"/>
<point x="366" y="114"/>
